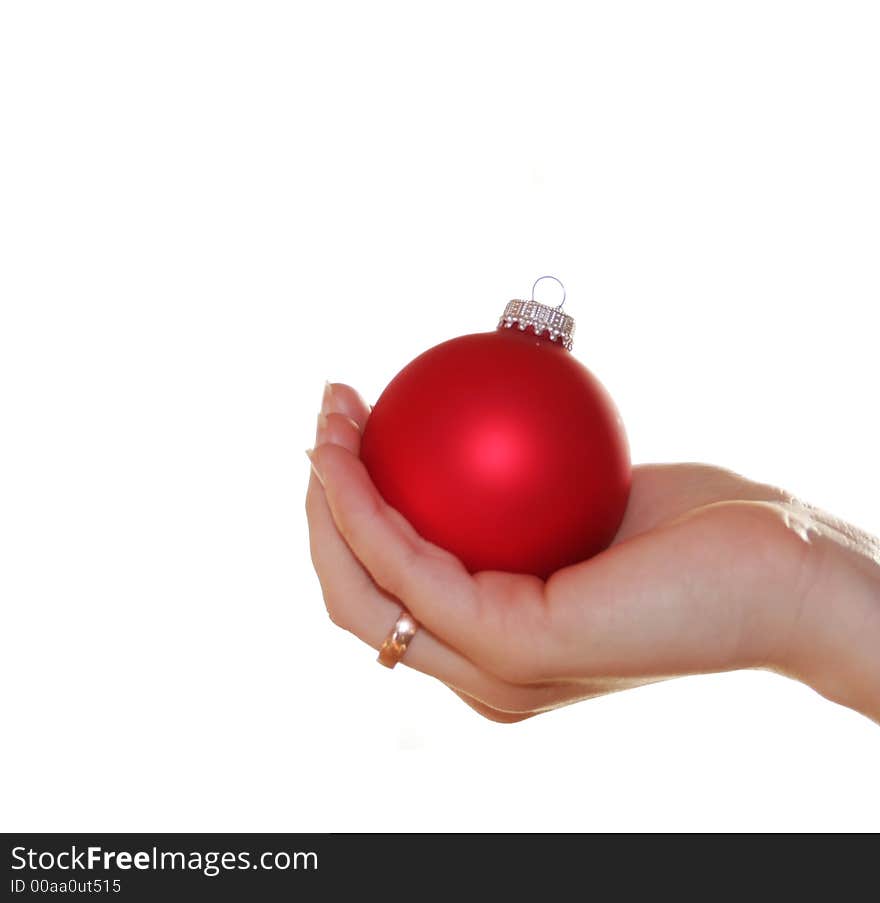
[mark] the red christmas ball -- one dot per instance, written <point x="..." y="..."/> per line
<point x="503" y="448"/>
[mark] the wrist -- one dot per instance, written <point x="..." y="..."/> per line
<point x="836" y="642"/>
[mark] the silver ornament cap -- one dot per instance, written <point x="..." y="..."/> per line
<point x="540" y="317"/>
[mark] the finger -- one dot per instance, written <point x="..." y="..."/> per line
<point x="341" y="419"/>
<point x="662" y="492"/>
<point x="486" y="711"/>
<point x="355" y="603"/>
<point x="344" y="399"/>
<point x="495" y="620"/>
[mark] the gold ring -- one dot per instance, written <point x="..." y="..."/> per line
<point x="398" y="639"/>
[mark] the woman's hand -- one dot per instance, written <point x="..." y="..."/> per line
<point x="709" y="572"/>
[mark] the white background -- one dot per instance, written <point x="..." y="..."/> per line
<point x="206" y="209"/>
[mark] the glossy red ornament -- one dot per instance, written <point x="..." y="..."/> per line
<point x="504" y="449"/>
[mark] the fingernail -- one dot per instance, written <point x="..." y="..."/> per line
<point x="310" y="454"/>
<point x="321" y="430"/>
<point x="327" y="398"/>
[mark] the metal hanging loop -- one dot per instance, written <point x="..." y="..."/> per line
<point x="557" y="281"/>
